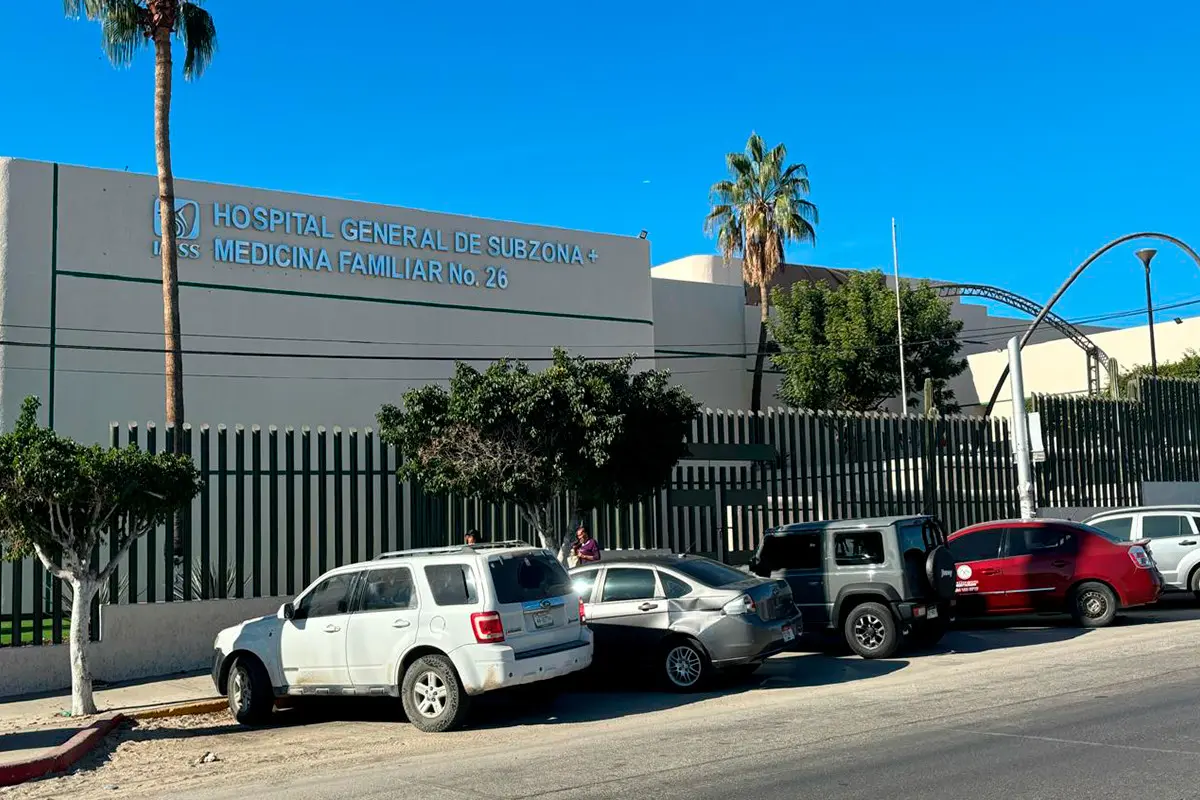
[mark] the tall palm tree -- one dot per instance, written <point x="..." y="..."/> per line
<point x="756" y="212"/>
<point x="128" y="25"/>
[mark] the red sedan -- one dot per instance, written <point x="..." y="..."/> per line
<point x="1046" y="565"/>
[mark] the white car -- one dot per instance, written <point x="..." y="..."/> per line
<point x="433" y="627"/>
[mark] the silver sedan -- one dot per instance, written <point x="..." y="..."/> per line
<point x="684" y="617"/>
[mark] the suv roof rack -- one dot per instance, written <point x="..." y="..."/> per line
<point x="454" y="548"/>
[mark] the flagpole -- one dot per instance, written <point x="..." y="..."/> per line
<point x="899" y="320"/>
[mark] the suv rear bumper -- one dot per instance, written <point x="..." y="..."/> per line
<point x="485" y="667"/>
<point x="912" y="611"/>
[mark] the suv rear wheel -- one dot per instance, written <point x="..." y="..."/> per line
<point x="870" y="630"/>
<point x="434" y="700"/>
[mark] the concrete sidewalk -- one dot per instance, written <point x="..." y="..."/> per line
<point x="52" y="710"/>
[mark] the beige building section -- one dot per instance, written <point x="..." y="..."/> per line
<point x="1060" y="367"/>
<point x="341" y="341"/>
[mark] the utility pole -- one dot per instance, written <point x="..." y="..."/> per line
<point x="1020" y="431"/>
<point x="899" y="320"/>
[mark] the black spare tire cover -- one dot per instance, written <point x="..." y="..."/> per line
<point x="939" y="569"/>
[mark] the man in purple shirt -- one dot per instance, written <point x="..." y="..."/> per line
<point x="586" y="548"/>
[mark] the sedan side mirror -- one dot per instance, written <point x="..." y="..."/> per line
<point x="287" y="611"/>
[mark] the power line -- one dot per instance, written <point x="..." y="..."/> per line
<point x="991" y="330"/>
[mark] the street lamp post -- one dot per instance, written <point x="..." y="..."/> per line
<point x="1145" y="255"/>
<point x="1182" y="245"/>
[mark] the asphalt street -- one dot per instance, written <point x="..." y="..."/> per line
<point x="1041" y="710"/>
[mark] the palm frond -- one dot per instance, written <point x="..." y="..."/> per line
<point x="89" y="9"/>
<point x="123" y="23"/>
<point x="755" y="147"/>
<point x="195" y="27"/>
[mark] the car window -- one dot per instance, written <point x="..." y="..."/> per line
<point x="387" y="589"/>
<point x="532" y="576"/>
<point x="911" y="537"/>
<point x="626" y="583"/>
<point x="582" y="584"/>
<point x="673" y="587"/>
<point x="1164" y="526"/>
<point x="709" y="572"/>
<point x="1040" y="540"/>
<point x="792" y="551"/>
<point x="451" y="584"/>
<point x="852" y="548"/>
<point x="1119" y="529"/>
<point x="977" y="546"/>
<point x="331" y="596"/>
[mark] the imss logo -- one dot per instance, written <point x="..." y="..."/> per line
<point x="187" y="227"/>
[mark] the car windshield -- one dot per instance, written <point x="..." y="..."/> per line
<point x="532" y="576"/>
<point x="710" y="573"/>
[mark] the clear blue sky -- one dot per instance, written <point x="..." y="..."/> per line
<point x="1008" y="139"/>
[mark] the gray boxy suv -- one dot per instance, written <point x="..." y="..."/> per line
<point x="880" y="582"/>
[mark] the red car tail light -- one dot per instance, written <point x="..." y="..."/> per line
<point x="582" y="617"/>
<point x="488" y="627"/>
<point x="1140" y="557"/>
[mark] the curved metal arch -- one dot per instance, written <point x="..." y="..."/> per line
<point x="1071" y="279"/>
<point x="1030" y="307"/>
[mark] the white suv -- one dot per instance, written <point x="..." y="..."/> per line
<point x="432" y="626"/>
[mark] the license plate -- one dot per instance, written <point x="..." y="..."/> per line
<point x="788" y="633"/>
<point x="932" y="613"/>
<point x="543" y="619"/>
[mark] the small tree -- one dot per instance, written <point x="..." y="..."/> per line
<point x="60" y="500"/>
<point x="595" y="430"/>
<point x="838" y="347"/>
<point x="1185" y="368"/>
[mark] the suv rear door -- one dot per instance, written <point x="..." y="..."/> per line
<point x="382" y="627"/>
<point x="535" y="600"/>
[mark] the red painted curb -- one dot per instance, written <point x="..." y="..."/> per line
<point x="62" y="756"/>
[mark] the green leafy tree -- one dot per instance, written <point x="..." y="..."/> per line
<point x="756" y="212"/>
<point x="59" y="500"/>
<point x="595" y="430"/>
<point x="127" y="26"/>
<point x="1186" y="368"/>
<point x="838" y="346"/>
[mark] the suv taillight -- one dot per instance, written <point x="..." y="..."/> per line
<point x="581" y="614"/>
<point x="488" y="627"/>
<point x="1140" y="557"/>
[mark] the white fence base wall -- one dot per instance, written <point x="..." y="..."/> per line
<point x="136" y="641"/>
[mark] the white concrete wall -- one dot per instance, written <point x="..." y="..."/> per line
<point x="137" y="641"/>
<point x="108" y="295"/>
<point x="1060" y="366"/>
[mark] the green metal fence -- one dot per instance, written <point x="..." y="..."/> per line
<point x="279" y="507"/>
<point x="1100" y="451"/>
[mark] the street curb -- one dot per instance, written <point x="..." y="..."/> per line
<point x="62" y="756"/>
<point x="182" y="710"/>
